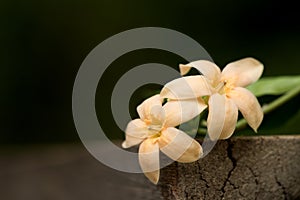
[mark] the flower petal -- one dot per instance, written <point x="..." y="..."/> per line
<point x="248" y="105"/>
<point x="243" y="72"/>
<point x="136" y="132"/>
<point x="178" y="112"/>
<point x="157" y="115"/>
<point x="179" y="146"/>
<point x="149" y="159"/>
<point x="231" y="116"/>
<point x="186" y="88"/>
<point x="144" y="109"/>
<point x="205" y="67"/>
<point x="216" y="116"/>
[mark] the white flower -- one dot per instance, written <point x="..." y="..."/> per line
<point x="225" y="90"/>
<point x="155" y="131"/>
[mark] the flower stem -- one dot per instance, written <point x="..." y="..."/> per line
<point x="241" y="124"/>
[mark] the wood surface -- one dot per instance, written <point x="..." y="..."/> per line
<point x="239" y="168"/>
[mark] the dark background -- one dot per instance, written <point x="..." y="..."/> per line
<point x="43" y="43"/>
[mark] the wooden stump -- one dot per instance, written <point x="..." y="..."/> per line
<point x="260" y="168"/>
<point x="239" y="168"/>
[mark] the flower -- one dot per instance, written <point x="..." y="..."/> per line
<point x="225" y="93"/>
<point x="155" y="131"/>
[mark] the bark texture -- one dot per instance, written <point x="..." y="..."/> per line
<point x="260" y="168"/>
<point x="239" y="168"/>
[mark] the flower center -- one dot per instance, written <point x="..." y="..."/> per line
<point x="223" y="87"/>
<point x="154" y="127"/>
<point x="154" y="130"/>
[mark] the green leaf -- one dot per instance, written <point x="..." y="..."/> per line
<point x="274" y="85"/>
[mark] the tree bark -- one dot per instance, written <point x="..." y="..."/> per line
<point x="238" y="168"/>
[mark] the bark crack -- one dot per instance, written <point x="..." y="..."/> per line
<point x="282" y="187"/>
<point x="255" y="179"/>
<point x="234" y="163"/>
<point x="202" y="179"/>
<point x="252" y="172"/>
<point x="201" y="176"/>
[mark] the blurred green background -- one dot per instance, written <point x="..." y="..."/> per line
<point x="43" y="44"/>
